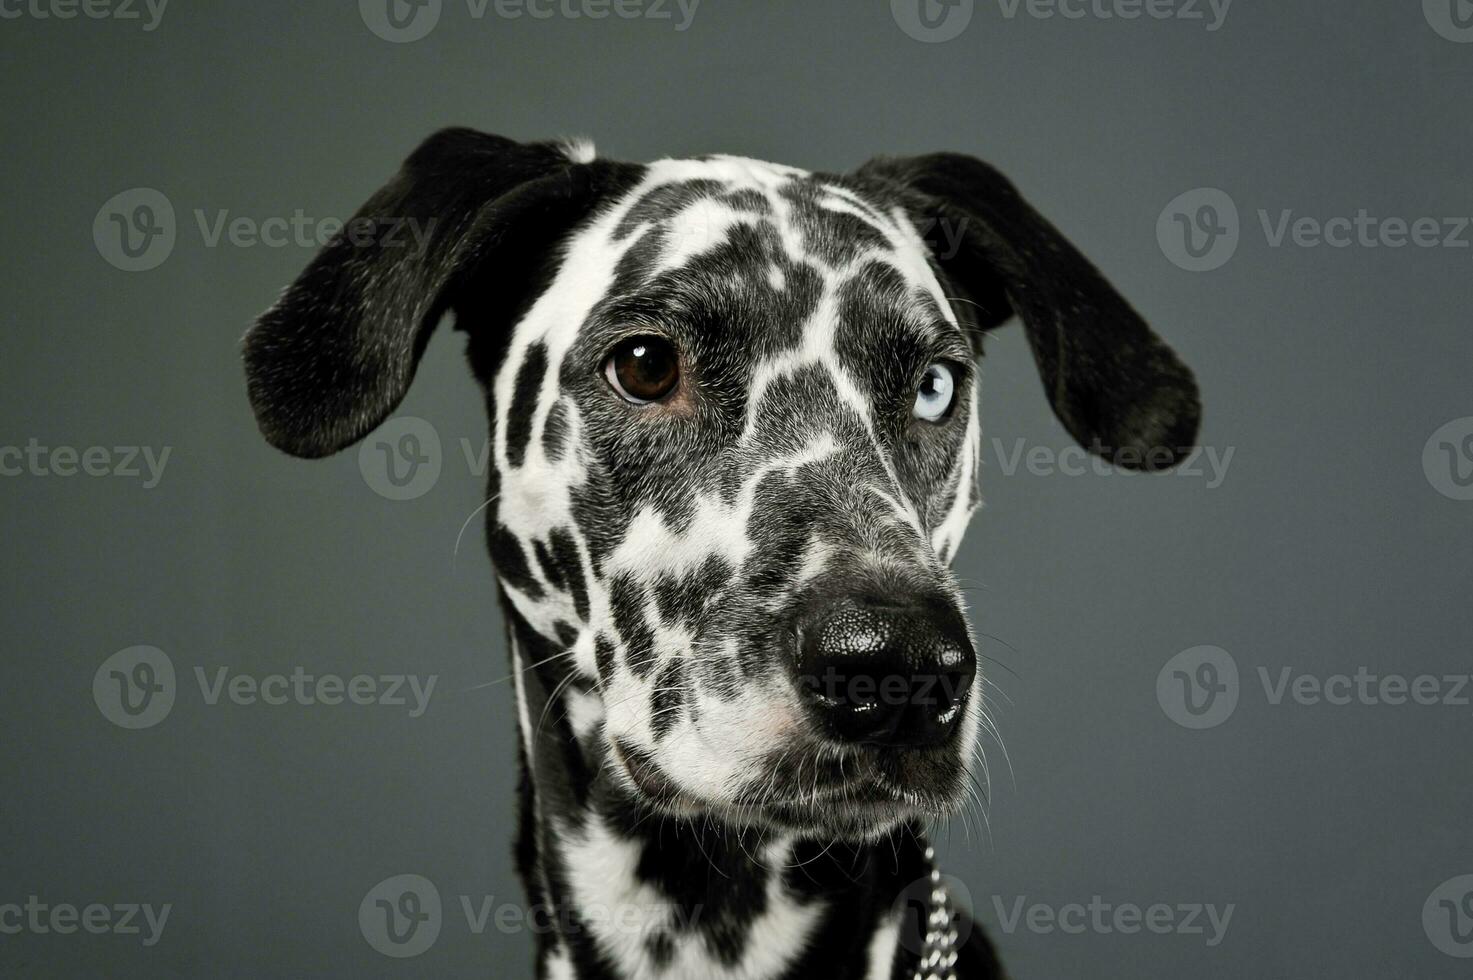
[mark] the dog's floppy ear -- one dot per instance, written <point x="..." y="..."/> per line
<point x="1114" y="384"/>
<point x="336" y="354"/>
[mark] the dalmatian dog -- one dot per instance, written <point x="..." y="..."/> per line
<point x="735" y="443"/>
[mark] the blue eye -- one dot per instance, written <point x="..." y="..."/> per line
<point x="934" y="396"/>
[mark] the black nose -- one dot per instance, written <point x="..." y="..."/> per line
<point x="891" y="675"/>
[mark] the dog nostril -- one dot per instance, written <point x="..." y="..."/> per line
<point x="886" y="675"/>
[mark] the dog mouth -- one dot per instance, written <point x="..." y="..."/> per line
<point x="863" y="808"/>
<point x="817" y="792"/>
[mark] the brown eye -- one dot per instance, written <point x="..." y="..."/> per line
<point x="642" y="369"/>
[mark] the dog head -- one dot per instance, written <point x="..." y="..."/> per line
<point x="734" y="436"/>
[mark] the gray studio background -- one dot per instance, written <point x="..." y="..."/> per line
<point x="1331" y="544"/>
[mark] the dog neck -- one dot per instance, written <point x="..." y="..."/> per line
<point x="619" y="892"/>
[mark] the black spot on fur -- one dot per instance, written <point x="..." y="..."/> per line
<point x="511" y="561"/>
<point x="661" y="947"/>
<point x="667" y="597"/>
<point x="567" y="634"/>
<point x="885" y="339"/>
<point x="754" y="650"/>
<point x="598" y="522"/>
<point x="626" y="599"/>
<point x="665" y="201"/>
<point x="681" y="600"/>
<point x="710" y="879"/>
<point x="524" y="403"/>
<point x="555" y="432"/>
<point x="718" y="672"/>
<point x="565" y="555"/>
<point x="836" y="237"/>
<point x="550" y="568"/>
<point x="776" y="564"/>
<point x="747" y="199"/>
<point x="781" y="522"/>
<point x="635" y="265"/>
<point x="668" y="698"/>
<point x="603" y="657"/>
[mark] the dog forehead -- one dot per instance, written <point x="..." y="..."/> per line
<point x="687" y="208"/>
<point x="805" y="259"/>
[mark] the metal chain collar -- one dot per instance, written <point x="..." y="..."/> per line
<point x="939" y="951"/>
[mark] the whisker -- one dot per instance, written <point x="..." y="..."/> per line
<point x="455" y="553"/>
<point x="503" y="680"/>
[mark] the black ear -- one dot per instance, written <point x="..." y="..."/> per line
<point x="336" y="354"/>
<point x="1114" y="384"/>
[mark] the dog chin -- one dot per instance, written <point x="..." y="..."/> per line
<point x="881" y="794"/>
<point x="853" y="820"/>
<point x="848" y="822"/>
<point x="863" y="815"/>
